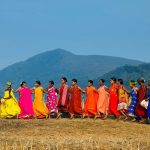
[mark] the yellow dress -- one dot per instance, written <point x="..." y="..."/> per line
<point x="9" y="107"/>
<point x="40" y="109"/>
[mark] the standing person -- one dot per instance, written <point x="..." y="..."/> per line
<point x="39" y="107"/>
<point x="75" y="106"/>
<point x="63" y="100"/>
<point x="90" y="107"/>
<point x="148" y="109"/>
<point x="134" y="100"/>
<point x="122" y="93"/>
<point x="142" y="94"/>
<point x="114" y="100"/>
<point x="25" y="101"/>
<point x="9" y="107"/>
<point x="103" y="101"/>
<point x="51" y="102"/>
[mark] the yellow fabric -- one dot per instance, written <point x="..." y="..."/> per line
<point x="39" y="106"/>
<point x="9" y="107"/>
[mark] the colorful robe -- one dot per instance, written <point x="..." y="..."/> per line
<point x="51" y="102"/>
<point x="25" y="103"/>
<point x="63" y="100"/>
<point x="90" y="107"/>
<point x="148" y="109"/>
<point x="40" y="109"/>
<point x="103" y="100"/>
<point x="114" y="100"/>
<point x="142" y="94"/>
<point x="75" y="106"/>
<point x="122" y="99"/>
<point x="9" y="107"/>
<point x="134" y="100"/>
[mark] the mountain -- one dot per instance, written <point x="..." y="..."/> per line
<point x="52" y="65"/>
<point x="128" y="73"/>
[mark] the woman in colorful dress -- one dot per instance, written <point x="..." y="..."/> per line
<point x="103" y="101"/>
<point x="51" y="102"/>
<point x="90" y="107"/>
<point x="75" y="106"/>
<point x="39" y="107"/>
<point x="25" y="101"/>
<point x="114" y="100"/>
<point x="63" y="100"/>
<point x="9" y="107"/>
<point x="141" y="112"/>
<point x="134" y="100"/>
<point x="123" y="97"/>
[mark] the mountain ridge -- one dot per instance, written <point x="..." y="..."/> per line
<point x="52" y="65"/>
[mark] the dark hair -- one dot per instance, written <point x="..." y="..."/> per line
<point x="120" y="81"/>
<point x="52" y="82"/>
<point x="114" y="79"/>
<point x="22" y="83"/>
<point x="142" y="80"/>
<point x="38" y="82"/>
<point x="74" y="80"/>
<point x="90" y="81"/>
<point x="64" y="78"/>
<point x="102" y="80"/>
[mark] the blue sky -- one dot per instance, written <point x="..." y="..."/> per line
<point x="107" y="27"/>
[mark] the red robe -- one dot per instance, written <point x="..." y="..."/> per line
<point x="90" y="108"/>
<point x="142" y="94"/>
<point x="114" y="100"/>
<point x="75" y="106"/>
<point x="63" y="100"/>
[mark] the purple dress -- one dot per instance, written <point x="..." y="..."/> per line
<point x="25" y="103"/>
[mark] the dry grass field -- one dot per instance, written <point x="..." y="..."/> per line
<point x="74" y="134"/>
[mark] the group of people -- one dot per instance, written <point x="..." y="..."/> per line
<point x="100" y="102"/>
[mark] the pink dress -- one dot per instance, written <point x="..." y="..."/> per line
<point x="25" y="103"/>
<point x="51" y="102"/>
<point x="103" y="101"/>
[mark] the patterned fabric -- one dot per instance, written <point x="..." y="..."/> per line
<point x="122" y="99"/>
<point x="51" y="102"/>
<point x="148" y="109"/>
<point x="134" y="100"/>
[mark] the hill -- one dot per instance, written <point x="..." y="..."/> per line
<point x="52" y="65"/>
<point x="128" y="73"/>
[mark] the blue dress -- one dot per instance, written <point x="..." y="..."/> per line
<point x="134" y="100"/>
<point x="148" y="109"/>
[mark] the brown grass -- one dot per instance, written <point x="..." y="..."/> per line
<point x="75" y="134"/>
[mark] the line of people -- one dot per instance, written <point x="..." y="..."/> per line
<point x="100" y="102"/>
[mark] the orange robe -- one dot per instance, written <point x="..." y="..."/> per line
<point x="103" y="101"/>
<point x="75" y="106"/>
<point x="39" y="106"/>
<point x="90" y="108"/>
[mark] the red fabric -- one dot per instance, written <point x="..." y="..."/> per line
<point x="63" y="106"/>
<point x="90" y="108"/>
<point x="142" y="94"/>
<point x="114" y="100"/>
<point x="75" y="106"/>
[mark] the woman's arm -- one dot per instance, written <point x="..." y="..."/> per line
<point x="16" y="91"/>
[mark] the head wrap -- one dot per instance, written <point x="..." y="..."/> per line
<point x="9" y="83"/>
<point x="132" y="82"/>
<point x="141" y="79"/>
